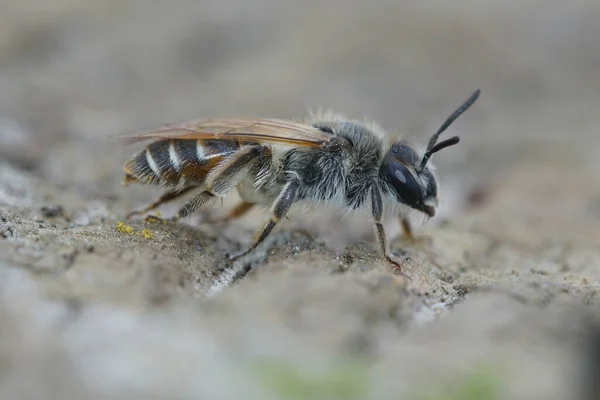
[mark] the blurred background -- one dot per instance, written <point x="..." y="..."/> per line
<point x="73" y="73"/>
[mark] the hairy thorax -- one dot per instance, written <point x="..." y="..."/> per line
<point x="339" y="174"/>
<point x="342" y="172"/>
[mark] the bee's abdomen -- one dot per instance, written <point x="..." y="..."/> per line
<point x="173" y="162"/>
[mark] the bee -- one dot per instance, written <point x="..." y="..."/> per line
<point x="278" y="163"/>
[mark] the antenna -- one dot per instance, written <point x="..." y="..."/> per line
<point x="432" y="147"/>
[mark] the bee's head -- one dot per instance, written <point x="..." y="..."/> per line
<point x="413" y="187"/>
<point x="407" y="173"/>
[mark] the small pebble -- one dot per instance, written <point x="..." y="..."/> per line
<point x="52" y="211"/>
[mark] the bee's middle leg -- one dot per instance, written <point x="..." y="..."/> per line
<point x="280" y="208"/>
<point x="237" y="212"/>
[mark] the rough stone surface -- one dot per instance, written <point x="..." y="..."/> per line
<point x="503" y="300"/>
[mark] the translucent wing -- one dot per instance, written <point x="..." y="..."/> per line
<point x="259" y="130"/>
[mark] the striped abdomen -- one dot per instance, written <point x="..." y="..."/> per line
<point x="177" y="161"/>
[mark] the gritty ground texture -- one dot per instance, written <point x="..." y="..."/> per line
<point x="503" y="300"/>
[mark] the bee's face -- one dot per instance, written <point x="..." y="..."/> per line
<point x="415" y="189"/>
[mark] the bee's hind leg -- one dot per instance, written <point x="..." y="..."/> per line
<point x="282" y="205"/>
<point x="197" y="202"/>
<point x="163" y="199"/>
<point x="222" y="180"/>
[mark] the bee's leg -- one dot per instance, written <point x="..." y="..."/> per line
<point x="377" y="212"/>
<point x="196" y="203"/>
<point x="280" y="208"/>
<point x="222" y="179"/>
<point x="238" y="211"/>
<point x="406" y="228"/>
<point x="165" y="198"/>
<point x="408" y="232"/>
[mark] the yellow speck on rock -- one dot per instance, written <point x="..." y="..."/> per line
<point x="146" y="233"/>
<point x="121" y="227"/>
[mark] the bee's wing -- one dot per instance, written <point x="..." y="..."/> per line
<point x="259" y="130"/>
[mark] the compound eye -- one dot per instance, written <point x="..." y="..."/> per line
<point x="405" y="185"/>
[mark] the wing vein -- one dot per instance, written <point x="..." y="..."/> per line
<point x="263" y="130"/>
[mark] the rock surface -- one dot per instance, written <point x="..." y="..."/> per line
<point x="503" y="300"/>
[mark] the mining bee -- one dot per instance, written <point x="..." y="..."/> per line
<point x="323" y="159"/>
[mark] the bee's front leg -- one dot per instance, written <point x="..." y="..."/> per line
<point x="377" y="212"/>
<point x="406" y="228"/>
<point x="408" y="233"/>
